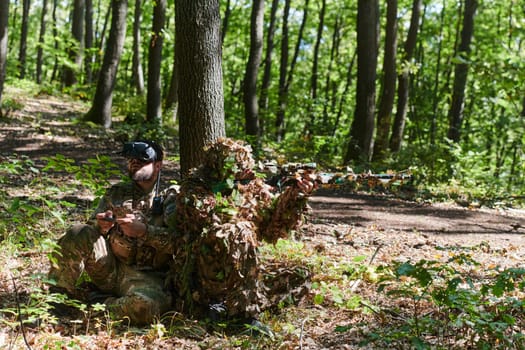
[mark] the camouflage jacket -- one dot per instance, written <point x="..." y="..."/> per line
<point x="155" y="249"/>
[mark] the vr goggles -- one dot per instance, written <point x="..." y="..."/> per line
<point x="139" y="150"/>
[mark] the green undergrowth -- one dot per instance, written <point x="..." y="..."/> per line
<point x="423" y="304"/>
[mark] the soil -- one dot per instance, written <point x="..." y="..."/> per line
<point x="341" y="223"/>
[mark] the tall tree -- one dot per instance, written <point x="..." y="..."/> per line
<point x="283" y="69"/>
<point x="286" y="75"/>
<point x="172" y="97"/>
<point x="22" y="53"/>
<point x="315" y="68"/>
<point x="75" y="47"/>
<point x="403" y="78"/>
<point x="100" y="112"/>
<point x="154" y="99"/>
<point x="267" y="74"/>
<point x="360" y="143"/>
<point x="251" y="106"/>
<point x="388" y="91"/>
<point x="199" y="58"/>
<point x="88" y="42"/>
<point x="455" y="114"/>
<point x="4" y="19"/>
<point x="137" y="75"/>
<point x="40" y="50"/>
<point x="54" y="20"/>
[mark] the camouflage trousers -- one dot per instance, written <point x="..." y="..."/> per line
<point x="139" y="295"/>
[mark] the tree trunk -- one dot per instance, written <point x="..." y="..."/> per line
<point x="403" y="80"/>
<point x="252" y="70"/>
<point x="360" y="142"/>
<point x="137" y="75"/>
<point x="88" y="43"/>
<point x="154" y="99"/>
<point x="23" y="39"/>
<point x="55" y="36"/>
<point x="226" y="20"/>
<point x="388" y="92"/>
<point x="267" y="75"/>
<point x="315" y="70"/>
<point x="40" y="50"/>
<point x="199" y="55"/>
<point x="286" y="74"/>
<point x="330" y="90"/>
<point x="4" y="19"/>
<point x="283" y="69"/>
<point x="75" y="50"/>
<point x="100" y="112"/>
<point x="455" y="114"/>
<point x="172" y="98"/>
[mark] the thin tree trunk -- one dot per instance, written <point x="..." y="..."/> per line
<point x="342" y="101"/>
<point x="252" y="70"/>
<point x="4" y="19"/>
<point x="23" y="39"/>
<point x="75" y="50"/>
<point x="360" y="143"/>
<point x="315" y="71"/>
<point x="330" y="91"/>
<point x="154" y="98"/>
<point x="40" y="50"/>
<point x="283" y="69"/>
<point x="137" y="75"/>
<point x="384" y="115"/>
<point x="226" y="20"/>
<point x="88" y="43"/>
<point x="267" y="75"/>
<point x="461" y="72"/>
<point x="288" y="74"/>
<point x="100" y="112"/>
<point x="55" y="36"/>
<point x="172" y="98"/>
<point x="433" y="124"/>
<point x="403" y="79"/>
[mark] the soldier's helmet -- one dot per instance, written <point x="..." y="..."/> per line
<point x="227" y="159"/>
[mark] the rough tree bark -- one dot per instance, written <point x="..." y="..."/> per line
<point x="388" y="91"/>
<point x="154" y="98"/>
<point x="360" y="143"/>
<point x="199" y="58"/>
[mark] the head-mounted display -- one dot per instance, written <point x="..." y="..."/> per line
<point x="139" y="150"/>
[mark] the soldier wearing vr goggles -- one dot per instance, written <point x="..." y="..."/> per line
<point x="125" y="247"/>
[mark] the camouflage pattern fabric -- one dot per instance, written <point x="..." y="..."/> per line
<point x="137" y="281"/>
<point x="223" y="212"/>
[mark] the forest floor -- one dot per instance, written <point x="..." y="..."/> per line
<point x="344" y="229"/>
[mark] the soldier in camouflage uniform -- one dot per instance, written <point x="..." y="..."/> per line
<point x="125" y="247"/>
<point x="223" y="212"/>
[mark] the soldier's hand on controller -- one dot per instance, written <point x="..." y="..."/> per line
<point x="105" y="221"/>
<point x="131" y="227"/>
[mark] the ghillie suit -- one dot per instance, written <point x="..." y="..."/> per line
<point x="222" y="213"/>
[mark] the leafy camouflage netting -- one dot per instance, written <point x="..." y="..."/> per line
<point x="223" y="211"/>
